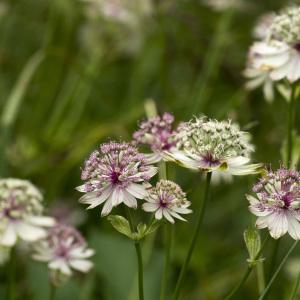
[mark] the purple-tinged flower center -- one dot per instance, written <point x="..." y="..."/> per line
<point x="115" y="177"/>
<point x="62" y="251"/>
<point x="287" y="199"/>
<point x="210" y="161"/>
<point x="297" y="47"/>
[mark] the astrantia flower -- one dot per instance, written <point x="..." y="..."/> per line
<point x="167" y="200"/>
<point x="21" y="212"/>
<point x="157" y="133"/>
<point x="277" y="203"/>
<point x="280" y="53"/>
<point x="210" y="145"/>
<point x="115" y="174"/>
<point x="64" y="249"/>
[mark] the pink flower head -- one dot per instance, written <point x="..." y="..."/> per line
<point x="115" y="174"/>
<point x="277" y="203"/>
<point x="64" y="249"/>
<point x="158" y="134"/>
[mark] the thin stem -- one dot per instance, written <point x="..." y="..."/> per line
<point x="139" y="258"/>
<point x="295" y="288"/>
<point x="260" y="276"/>
<point x="11" y="283"/>
<point x="168" y="245"/>
<point x="247" y="272"/>
<point x="194" y="238"/>
<point x="264" y="293"/>
<point x="290" y="125"/>
<point x="273" y="258"/>
<point x="52" y="291"/>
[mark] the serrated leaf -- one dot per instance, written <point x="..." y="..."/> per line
<point x="121" y="224"/>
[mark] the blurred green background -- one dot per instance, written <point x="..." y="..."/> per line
<point x="71" y="78"/>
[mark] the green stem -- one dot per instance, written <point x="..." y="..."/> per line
<point x="138" y="250"/>
<point x="264" y="293"/>
<point x="11" y="287"/>
<point x="247" y="272"/>
<point x="273" y="258"/>
<point x="290" y="125"/>
<point x="295" y="288"/>
<point x="194" y="238"/>
<point x="52" y="291"/>
<point x="260" y="276"/>
<point x="168" y="246"/>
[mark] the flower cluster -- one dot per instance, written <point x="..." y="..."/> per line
<point x="210" y="145"/>
<point x="167" y="200"/>
<point x="158" y="134"/>
<point x="64" y="249"/>
<point x="277" y="203"/>
<point x="277" y="55"/>
<point x="21" y="212"/>
<point x="115" y="174"/>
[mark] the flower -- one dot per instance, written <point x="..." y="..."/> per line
<point x="157" y="133"/>
<point x="21" y="212"/>
<point x="167" y="200"/>
<point x="64" y="249"/>
<point x="209" y="145"/>
<point x="277" y="203"/>
<point x="115" y="174"/>
<point x="280" y="52"/>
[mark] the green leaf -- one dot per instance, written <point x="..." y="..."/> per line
<point x="153" y="227"/>
<point x="121" y="224"/>
<point x="253" y="244"/>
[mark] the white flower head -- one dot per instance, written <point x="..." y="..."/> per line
<point x="280" y="52"/>
<point x="21" y="212"/>
<point x="167" y="200"/>
<point x="209" y="145"/>
<point x="277" y="203"/>
<point x="65" y="251"/>
<point x="115" y="174"/>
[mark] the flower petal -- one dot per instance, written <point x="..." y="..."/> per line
<point x="137" y="190"/>
<point x="9" y="236"/>
<point x="81" y="265"/>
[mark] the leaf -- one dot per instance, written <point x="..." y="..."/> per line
<point x="153" y="227"/>
<point x="253" y="244"/>
<point x="121" y="225"/>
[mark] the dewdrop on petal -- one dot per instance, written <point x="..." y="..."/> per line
<point x="167" y="200"/>
<point x="115" y="174"/>
<point x="209" y="145"/>
<point x="65" y="250"/>
<point x="277" y="203"/>
<point x="158" y="134"/>
<point x="21" y="212"/>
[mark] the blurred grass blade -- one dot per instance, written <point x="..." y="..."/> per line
<point x="14" y="101"/>
<point x="212" y="59"/>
